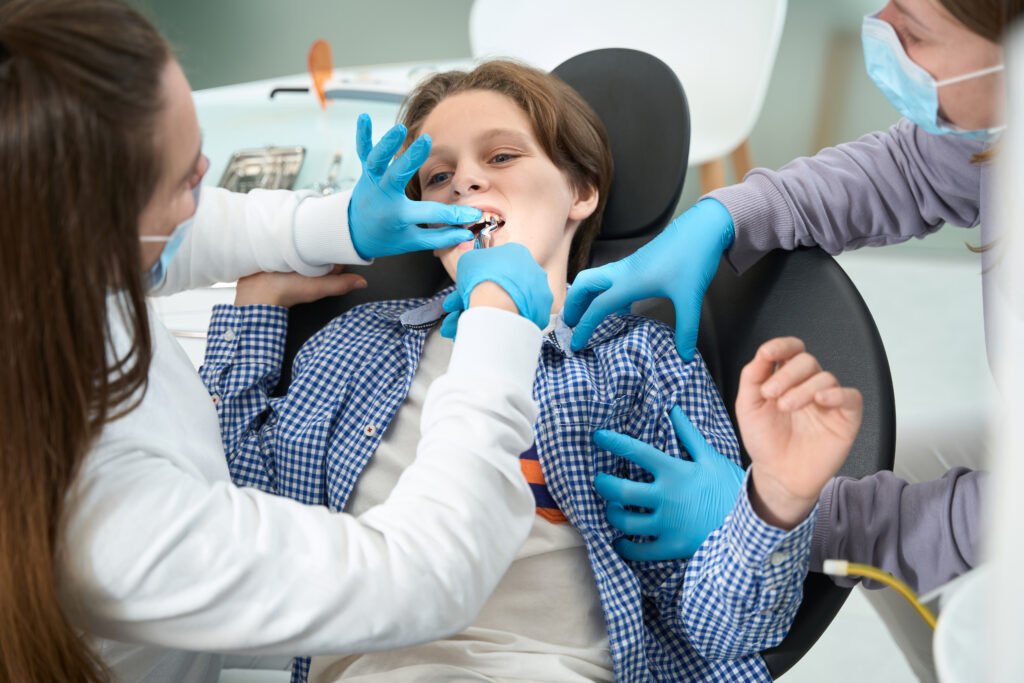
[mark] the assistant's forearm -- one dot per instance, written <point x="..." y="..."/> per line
<point x="925" y="534"/>
<point x="884" y="188"/>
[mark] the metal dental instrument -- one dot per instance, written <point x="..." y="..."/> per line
<point x="330" y="186"/>
<point x="483" y="237"/>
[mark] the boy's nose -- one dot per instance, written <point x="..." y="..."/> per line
<point x="468" y="183"/>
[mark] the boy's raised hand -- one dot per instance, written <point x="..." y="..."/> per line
<point x="798" y="425"/>
<point x="288" y="289"/>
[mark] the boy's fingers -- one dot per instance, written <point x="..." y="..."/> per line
<point x="803" y="394"/>
<point x="350" y="280"/>
<point x="780" y="349"/>
<point x="336" y="285"/>
<point x="752" y="378"/>
<point x="791" y="373"/>
<point x="760" y="368"/>
<point x="846" y="399"/>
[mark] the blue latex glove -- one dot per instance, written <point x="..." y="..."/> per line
<point x="382" y="220"/>
<point x="678" y="264"/>
<point x="512" y="267"/>
<point x="687" y="500"/>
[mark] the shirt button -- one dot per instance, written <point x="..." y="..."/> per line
<point x="369" y="430"/>
<point x="216" y="399"/>
<point x="778" y="558"/>
<point x="229" y="335"/>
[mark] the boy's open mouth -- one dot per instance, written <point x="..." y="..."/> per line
<point x="489" y="223"/>
<point x="482" y="231"/>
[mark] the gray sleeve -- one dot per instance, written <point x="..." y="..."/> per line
<point x="925" y="534"/>
<point x="884" y="188"/>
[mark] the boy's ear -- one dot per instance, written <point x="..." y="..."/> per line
<point x="584" y="204"/>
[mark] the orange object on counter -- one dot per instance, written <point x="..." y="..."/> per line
<point x="320" y="68"/>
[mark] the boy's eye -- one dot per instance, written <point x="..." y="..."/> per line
<point x="502" y="158"/>
<point x="438" y="178"/>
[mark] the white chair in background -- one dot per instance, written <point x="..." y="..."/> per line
<point x="722" y="51"/>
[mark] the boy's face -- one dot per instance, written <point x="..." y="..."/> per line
<point x="485" y="155"/>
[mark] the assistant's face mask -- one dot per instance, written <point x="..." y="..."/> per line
<point x="907" y="86"/>
<point x="158" y="271"/>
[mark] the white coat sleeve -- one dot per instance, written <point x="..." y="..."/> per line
<point x="234" y="235"/>
<point x="159" y="556"/>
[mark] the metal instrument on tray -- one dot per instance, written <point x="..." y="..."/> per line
<point x="269" y="168"/>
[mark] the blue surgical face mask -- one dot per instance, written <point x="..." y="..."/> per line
<point x="158" y="271"/>
<point x="908" y="87"/>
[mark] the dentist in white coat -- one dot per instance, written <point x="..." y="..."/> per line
<point x="125" y="551"/>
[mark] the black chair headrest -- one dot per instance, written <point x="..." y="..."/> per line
<point x="642" y="105"/>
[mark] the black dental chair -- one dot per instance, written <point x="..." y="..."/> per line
<point x="803" y="293"/>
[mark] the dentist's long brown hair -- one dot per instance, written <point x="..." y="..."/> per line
<point x="79" y="95"/>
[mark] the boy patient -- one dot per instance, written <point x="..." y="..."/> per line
<point x="525" y="149"/>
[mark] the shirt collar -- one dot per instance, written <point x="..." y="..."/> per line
<point x="557" y="335"/>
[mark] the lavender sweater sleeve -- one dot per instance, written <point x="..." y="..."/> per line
<point x="884" y="188"/>
<point x="925" y="534"/>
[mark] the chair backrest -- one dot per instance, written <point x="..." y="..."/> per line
<point x="806" y="294"/>
<point x="723" y="51"/>
<point x="634" y="94"/>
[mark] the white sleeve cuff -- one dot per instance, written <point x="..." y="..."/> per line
<point x="496" y="344"/>
<point x="322" y="234"/>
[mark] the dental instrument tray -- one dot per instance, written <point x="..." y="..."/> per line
<point x="269" y="168"/>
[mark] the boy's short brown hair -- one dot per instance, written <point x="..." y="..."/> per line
<point x="566" y="127"/>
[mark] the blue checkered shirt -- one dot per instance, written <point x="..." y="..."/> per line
<point x="702" y="620"/>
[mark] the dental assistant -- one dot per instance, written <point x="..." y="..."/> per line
<point x="125" y="550"/>
<point x="940" y="63"/>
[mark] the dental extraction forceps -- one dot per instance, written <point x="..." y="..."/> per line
<point x="483" y="237"/>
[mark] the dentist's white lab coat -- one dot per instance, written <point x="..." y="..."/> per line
<point x="166" y="559"/>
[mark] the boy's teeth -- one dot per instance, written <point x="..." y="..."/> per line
<point x="492" y="220"/>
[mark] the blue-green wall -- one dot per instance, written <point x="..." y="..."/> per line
<point x="819" y="94"/>
<point x="232" y="41"/>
